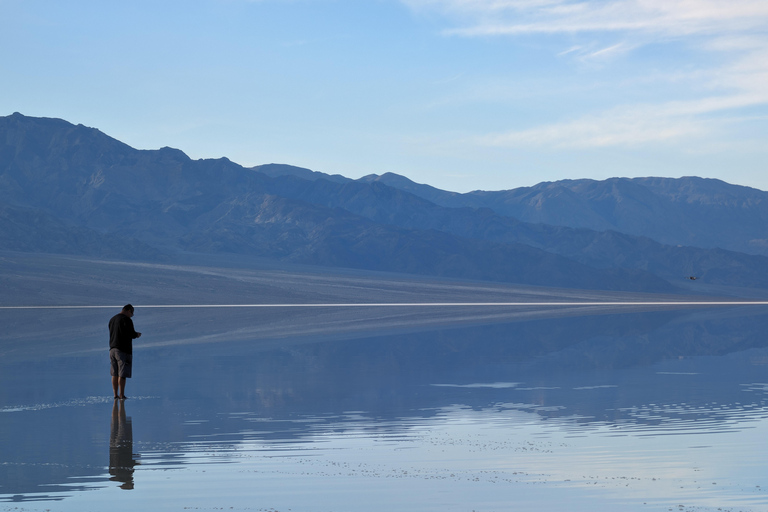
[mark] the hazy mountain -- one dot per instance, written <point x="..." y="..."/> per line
<point x="85" y="180"/>
<point x="602" y="249"/>
<point x="700" y="212"/>
<point x="33" y="230"/>
<point x="73" y="189"/>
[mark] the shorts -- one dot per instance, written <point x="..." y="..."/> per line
<point x="121" y="363"/>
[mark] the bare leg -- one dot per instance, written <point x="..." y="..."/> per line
<point x="114" y="386"/>
<point x="122" y="381"/>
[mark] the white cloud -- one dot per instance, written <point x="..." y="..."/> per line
<point x="597" y="54"/>
<point x="731" y="36"/>
<point x="633" y="126"/>
<point x="627" y="127"/>
<point x="672" y="17"/>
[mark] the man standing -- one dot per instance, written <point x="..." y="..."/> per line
<point x="121" y="336"/>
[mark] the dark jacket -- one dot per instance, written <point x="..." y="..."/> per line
<point x="122" y="333"/>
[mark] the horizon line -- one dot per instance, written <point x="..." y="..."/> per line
<point x="401" y="304"/>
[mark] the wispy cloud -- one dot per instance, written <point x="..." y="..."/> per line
<point x="674" y="17"/>
<point x="634" y="125"/>
<point x="624" y="126"/>
<point x="740" y="85"/>
<point x="732" y="36"/>
<point x="594" y="53"/>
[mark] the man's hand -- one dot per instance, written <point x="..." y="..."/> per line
<point x="138" y="335"/>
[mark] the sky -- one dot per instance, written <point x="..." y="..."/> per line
<point x="459" y="94"/>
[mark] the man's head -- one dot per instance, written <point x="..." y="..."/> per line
<point x="128" y="310"/>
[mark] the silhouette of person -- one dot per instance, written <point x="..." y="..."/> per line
<point x="121" y="461"/>
<point x="121" y="336"/>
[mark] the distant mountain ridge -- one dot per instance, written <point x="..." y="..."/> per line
<point x="373" y="199"/>
<point x="707" y="213"/>
<point x="87" y="181"/>
<point x="72" y="189"/>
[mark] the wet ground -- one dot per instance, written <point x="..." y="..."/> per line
<point x="359" y="409"/>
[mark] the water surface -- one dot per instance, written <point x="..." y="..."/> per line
<point x="628" y="411"/>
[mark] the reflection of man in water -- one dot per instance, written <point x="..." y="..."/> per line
<point x="121" y="460"/>
<point x="121" y="336"/>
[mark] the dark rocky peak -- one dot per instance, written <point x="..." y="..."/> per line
<point x="51" y="137"/>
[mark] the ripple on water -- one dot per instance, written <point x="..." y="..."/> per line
<point x="79" y="402"/>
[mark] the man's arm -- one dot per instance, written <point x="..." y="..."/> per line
<point x="134" y="334"/>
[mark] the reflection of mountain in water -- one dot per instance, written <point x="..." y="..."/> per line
<point x="650" y="373"/>
<point x="52" y="446"/>
<point x="588" y="361"/>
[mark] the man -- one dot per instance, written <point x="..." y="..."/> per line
<point x="121" y="336"/>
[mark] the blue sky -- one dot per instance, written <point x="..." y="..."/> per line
<point x="460" y="94"/>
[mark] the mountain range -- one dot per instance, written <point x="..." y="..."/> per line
<point x="70" y="189"/>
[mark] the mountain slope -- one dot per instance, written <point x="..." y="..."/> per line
<point x="86" y="180"/>
<point x="707" y="213"/>
<point x="602" y="249"/>
<point x="73" y="189"/>
<point x="33" y="230"/>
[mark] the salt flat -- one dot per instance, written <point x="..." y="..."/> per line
<point x="36" y="281"/>
<point x="494" y="408"/>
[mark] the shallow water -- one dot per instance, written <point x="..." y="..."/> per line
<point x="637" y="411"/>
